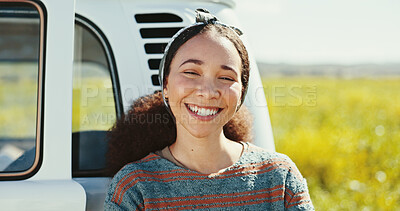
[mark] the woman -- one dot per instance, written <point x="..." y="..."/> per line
<point x="200" y="158"/>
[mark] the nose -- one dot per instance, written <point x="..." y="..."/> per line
<point x="208" y="89"/>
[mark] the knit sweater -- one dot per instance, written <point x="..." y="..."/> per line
<point x="259" y="180"/>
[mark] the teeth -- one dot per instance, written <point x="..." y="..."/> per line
<point x="202" y="111"/>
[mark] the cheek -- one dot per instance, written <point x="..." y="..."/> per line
<point x="233" y="94"/>
<point x="178" y="88"/>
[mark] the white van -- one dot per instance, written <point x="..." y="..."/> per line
<point x="68" y="70"/>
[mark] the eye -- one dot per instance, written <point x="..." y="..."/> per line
<point x="227" y="78"/>
<point x="191" y="73"/>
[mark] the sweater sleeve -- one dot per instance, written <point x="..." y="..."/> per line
<point x="121" y="196"/>
<point x="297" y="196"/>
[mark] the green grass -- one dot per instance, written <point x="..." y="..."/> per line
<point x="344" y="137"/>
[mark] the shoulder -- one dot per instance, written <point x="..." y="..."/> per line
<point x="280" y="169"/>
<point x="125" y="188"/>
<point x="267" y="159"/>
<point x="148" y="164"/>
<point x="134" y="172"/>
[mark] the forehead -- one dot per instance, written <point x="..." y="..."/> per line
<point x="210" y="47"/>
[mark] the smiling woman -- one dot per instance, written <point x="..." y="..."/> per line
<point x="200" y="156"/>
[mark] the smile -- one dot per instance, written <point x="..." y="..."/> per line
<point x="204" y="112"/>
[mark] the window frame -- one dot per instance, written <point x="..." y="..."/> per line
<point x="100" y="36"/>
<point x="21" y="175"/>
<point x="86" y="23"/>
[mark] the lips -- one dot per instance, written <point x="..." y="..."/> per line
<point x="203" y="113"/>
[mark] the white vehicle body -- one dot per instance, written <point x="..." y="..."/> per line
<point x="51" y="184"/>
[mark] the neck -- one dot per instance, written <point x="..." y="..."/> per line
<point x="206" y="154"/>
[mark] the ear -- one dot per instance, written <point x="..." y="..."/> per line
<point x="165" y="93"/>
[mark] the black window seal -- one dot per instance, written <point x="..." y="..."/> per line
<point x="22" y="175"/>
<point x="93" y="28"/>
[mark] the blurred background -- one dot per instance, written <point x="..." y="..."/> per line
<point x="331" y="75"/>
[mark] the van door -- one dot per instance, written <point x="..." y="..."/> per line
<point x="36" y="62"/>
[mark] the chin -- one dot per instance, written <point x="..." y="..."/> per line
<point x="202" y="132"/>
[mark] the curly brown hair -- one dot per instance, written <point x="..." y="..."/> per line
<point x="148" y="127"/>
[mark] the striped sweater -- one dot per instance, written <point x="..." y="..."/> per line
<point x="259" y="180"/>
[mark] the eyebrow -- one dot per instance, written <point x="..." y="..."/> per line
<point x="225" y="67"/>
<point x="199" y="62"/>
<point x="194" y="61"/>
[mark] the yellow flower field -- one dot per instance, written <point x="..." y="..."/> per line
<point x="344" y="136"/>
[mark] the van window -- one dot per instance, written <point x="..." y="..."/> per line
<point x="21" y="59"/>
<point x="95" y="98"/>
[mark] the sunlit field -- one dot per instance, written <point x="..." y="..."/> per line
<point x="93" y="101"/>
<point x="18" y="100"/>
<point x="93" y="105"/>
<point x="344" y="136"/>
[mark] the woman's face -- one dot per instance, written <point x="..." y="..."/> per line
<point x="204" y="84"/>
